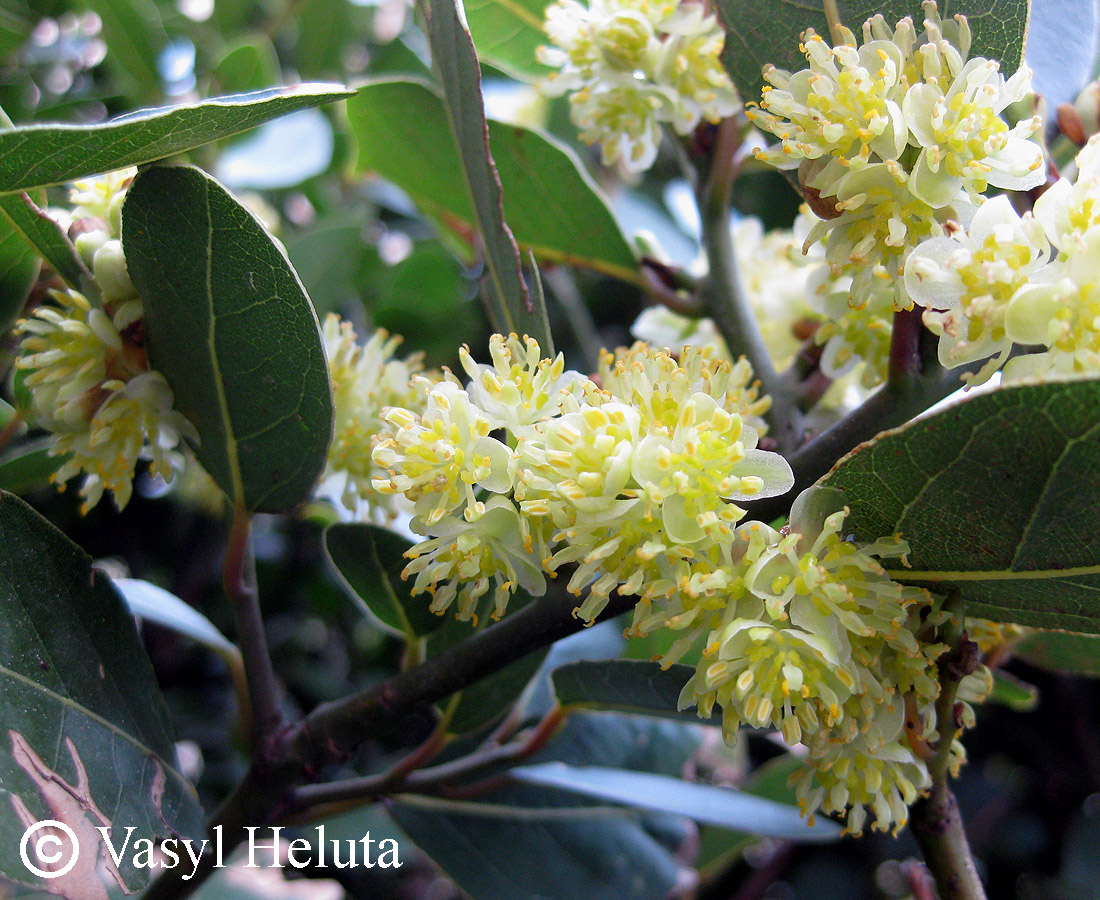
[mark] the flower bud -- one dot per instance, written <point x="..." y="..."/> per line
<point x="109" y="268"/>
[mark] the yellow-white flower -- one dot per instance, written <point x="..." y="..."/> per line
<point x="91" y="386"/>
<point x="966" y="282"/>
<point x="631" y="65"/>
<point x="366" y="379"/>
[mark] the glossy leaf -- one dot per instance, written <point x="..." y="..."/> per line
<point x="454" y="61"/>
<point x="86" y="738"/>
<point x="997" y="498"/>
<point x="19" y="266"/>
<point x="702" y="802"/>
<point x="1062" y="58"/>
<point x="232" y="330"/>
<point x="1061" y="651"/>
<point x="762" y="32"/>
<point x="369" y="560"/>
<point x="41" y="155"/>
<point x="625" y="685"/>
<point x="551" y="203"/>
<point x="23" y="216"/>
<point x="507" y="33"/>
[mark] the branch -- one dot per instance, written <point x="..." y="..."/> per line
<point x="239" y="578"/>
<point x="936" y="822"/>
<point x="333" y="732"/>
<point x="723" y="293"/>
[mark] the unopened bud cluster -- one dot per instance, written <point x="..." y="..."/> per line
<point x="83" y="360"/>
<point x="630" y="66"/>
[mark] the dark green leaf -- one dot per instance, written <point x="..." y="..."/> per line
<point x="626" y="685"/>
<point x="585" y="850"/>
<point x="19" y="266"/>
<point x="997" y="498"/>
<point x="551" y="203"/>
<point x="86" y="738"/>
<point x="135" y="35"/>
<point x="369" y="560"/>
<point x="507" y="33"/>
<point x="249" y="65"/>
<point x="455" y="63"/>
<point x="702" y="802"/>
<point x="762" y="32"/>
<point x="23" y="216"/>
<point x="28" y="466"/>
<point x="1061" y="651"/>
<point x="232" y="330"/>
<point x="41" y="155"/>
<point x="531" y="844"/>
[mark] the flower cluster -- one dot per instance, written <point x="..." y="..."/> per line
<point x="817" y="641"/>
<point x="632" y="478"/>
<point x="86" y="368"/>
<point x="366" y="378"/>
<point x="1019" y="281"/>
<point x="631" y="65"/>
<point x="894" y="138"/>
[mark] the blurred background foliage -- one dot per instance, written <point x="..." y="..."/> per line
<point x="1031" y="797"/>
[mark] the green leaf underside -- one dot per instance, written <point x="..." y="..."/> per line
<point x="232" y="330"/>
<point x="369" y="560"/>
<point x="552" y="205"/>
<point x="507" y="33"/>
<point x="762" y="32"/>
<point x="43" y="155"/>
<point x="702" y="802"/>
<point x="155" y="604"/>
<point x="998" y="497"/>
<point x="28" y="465"/>
<point x="76" y="688"/>
<point x="1061" y="651"/>
<point x="626" y="685"/>
<point x="25" y="218"/>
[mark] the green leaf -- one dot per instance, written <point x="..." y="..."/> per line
<point x="232" y="330"/>
<point x="42" y="155"/>
<point x="19" y="266"/>
<point x="1010" y="691"/>
<point x="28" y="465"/>
<point x="997" y="498"/>
<point x="248" y="65"/>
<point x="702" y="802"/>
<point x="35" y="228"/>
<point x="584" y="851"/>
<point x="454" y="61"/>
<point x="551" y="203"/>
<point x="134" y="32"/>
<point x="323" y="32"/>
<point x="538" y="846"/>
<point x="369" y="560"/>
<point x="762" y="32"/>
<point x="626" y="685"/>
<point x="507" y="33"/>
<point x="86" y="738"/>
<point x="1061" y="651"/>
